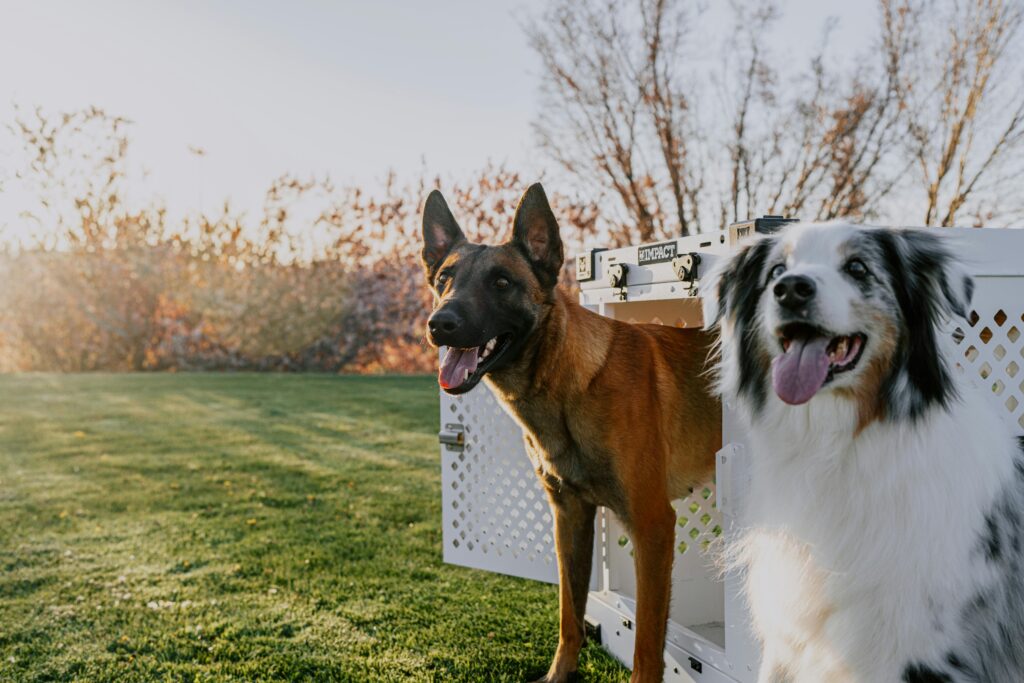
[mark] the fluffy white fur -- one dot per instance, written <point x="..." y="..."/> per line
<point x="859" y="543"/>
<point x="862" y="542"/>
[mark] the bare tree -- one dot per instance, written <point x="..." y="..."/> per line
<point x="963" y="91"/>
<point x="327" y="278"/>
<point x="614" y="109"/>
<point x="631" y="109"/>
<point x="827" y="142"/>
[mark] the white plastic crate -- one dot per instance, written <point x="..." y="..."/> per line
<point x="496" y="517"/>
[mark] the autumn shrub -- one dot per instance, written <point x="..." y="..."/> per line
<point x="327" y="279"/>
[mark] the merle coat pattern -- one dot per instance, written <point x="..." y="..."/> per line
<point x="885" y="527"/>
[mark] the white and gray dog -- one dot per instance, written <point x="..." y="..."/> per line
<point x="886" y="510"/>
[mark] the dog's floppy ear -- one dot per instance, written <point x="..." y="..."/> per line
<point x="930" y="284"/>
<point x="933" y="275"/>
<point x="734" y="282"/>
<point x="440" y="232"/>
<point x="535" y="232"/>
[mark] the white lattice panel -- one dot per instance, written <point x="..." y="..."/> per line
<point x="496" y="517"/>
<point x="696" y="595"/>
<point x="992" y="344"/>
<point x="495" y="514"/>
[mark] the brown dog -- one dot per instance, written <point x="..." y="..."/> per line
<point x="613" y="414"/>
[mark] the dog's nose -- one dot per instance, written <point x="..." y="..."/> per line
<point x="444" y="321"/>
<point x="794" y="291"/>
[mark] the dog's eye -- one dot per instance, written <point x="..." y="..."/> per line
<point x="442" y="279"/>
<point x="501" y="283"/>
<point x="856" y="269"/>
<point x="777" y="272"/>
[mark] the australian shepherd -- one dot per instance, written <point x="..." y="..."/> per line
<point x="884" y="532"/>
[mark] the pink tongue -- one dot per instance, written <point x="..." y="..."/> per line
<point x="454" y="365"/>
<point x="799" y="372"/>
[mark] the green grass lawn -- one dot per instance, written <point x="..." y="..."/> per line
<point x="244" y="527"/>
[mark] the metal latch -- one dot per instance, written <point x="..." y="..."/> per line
<point x="686" y="268"/>
<point x="453" y="436"/>
<point x="617" y="279"/>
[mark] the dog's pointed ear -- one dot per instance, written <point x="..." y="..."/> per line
<point x="440" y="232"/>
<point x="734" y="282"/>
<point x="535" y="232"/>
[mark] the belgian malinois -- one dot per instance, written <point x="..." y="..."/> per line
<point x="613" y="414"/>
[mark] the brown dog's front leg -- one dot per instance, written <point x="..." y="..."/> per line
<point x="574" y="542"/>
<point x="653" y="539"/>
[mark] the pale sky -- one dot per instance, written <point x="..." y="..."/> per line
<point x="347" y="88"/>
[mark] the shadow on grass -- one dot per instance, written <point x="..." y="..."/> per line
<point x="244" y="527"/>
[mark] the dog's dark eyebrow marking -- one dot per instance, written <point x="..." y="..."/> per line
<point x="462" y="253"/>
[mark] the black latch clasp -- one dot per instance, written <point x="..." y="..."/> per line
<point x="687" y="267"/>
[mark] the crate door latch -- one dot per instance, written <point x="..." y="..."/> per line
<point x="686" y="268"/>
<point x="453" y="437"/>
<point x="617" y="274"/>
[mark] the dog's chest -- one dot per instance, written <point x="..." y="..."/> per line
<point x="826" y="624"/>
<point x="559" y="458"/>
<point x="854" y="563"/>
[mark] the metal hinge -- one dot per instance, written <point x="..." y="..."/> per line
<point x="453" y="436"/>
<point x="724" y="461"/>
